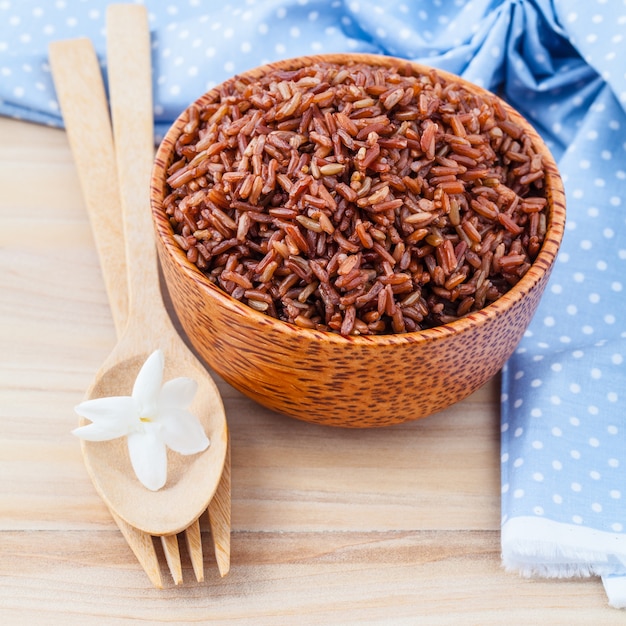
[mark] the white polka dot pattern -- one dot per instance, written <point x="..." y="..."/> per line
<point x="563" y="476"/>
<point x="575" y="346"/>
<point x="198" y="43"/>
<point x="565" y="386"/>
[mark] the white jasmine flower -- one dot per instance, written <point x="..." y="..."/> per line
<point x="153" y="418"/>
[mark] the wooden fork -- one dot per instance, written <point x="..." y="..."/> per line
<point x="81" y="94"/>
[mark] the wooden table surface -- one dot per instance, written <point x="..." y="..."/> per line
<point x="393" y="526"/>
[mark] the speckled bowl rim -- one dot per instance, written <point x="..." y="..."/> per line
<point x="540" y="267"/>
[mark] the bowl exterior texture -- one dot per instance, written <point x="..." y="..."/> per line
<point x="360" y="381"/>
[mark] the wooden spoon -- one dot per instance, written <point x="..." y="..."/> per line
<point x="192" y="480"/>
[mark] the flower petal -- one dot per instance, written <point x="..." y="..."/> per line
<point x="149" y="458"/>
<point x="148" y="384"/>
<point x="178" y="392"/>
<point x="96" y="432"/>
<point x="113" y="416"/>
<point x="182" y="431"/>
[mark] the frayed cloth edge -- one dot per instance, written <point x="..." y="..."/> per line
<point x="541" y="547"/>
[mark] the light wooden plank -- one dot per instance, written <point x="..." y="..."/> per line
<point x="397" y="526"/>
<point x="287" y="578"/>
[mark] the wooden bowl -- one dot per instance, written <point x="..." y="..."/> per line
<point x="356" y="381"/>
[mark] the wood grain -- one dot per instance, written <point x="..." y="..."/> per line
<point x="434" y="577"/>
<point x="180" y="501"/>
<point x="219" y="513"/>
<point x="359" y="380"/>
<point x="392" y="526"/>
<point x="80" y="90"/>
<point x="79" y="86"/>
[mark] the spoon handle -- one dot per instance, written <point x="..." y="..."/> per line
<point x="130" y="86"/>
<point x="80" y="90"/>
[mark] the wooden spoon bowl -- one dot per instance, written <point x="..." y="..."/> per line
<point x="354" y="381"/>
<point x="191" y="480"/>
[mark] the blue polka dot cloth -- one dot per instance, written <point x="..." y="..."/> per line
<point x="562" y="65"/>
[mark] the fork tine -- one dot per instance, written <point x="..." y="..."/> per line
<point x="194" y="547"/>
<point x="172" y="556"/>
<point x="219" y="518"/>
<point x="143" y="548"/>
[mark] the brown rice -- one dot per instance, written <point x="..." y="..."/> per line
<point x="357" y="199"/>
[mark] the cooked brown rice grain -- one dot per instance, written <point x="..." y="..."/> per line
<point x="357" y="199"/>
